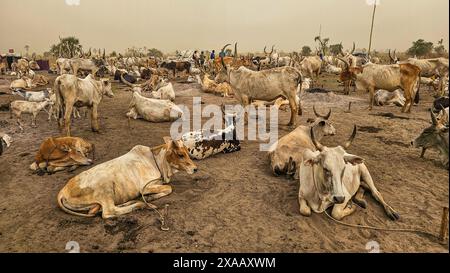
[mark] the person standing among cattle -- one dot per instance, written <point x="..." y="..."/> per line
<point x="213" y="55"/>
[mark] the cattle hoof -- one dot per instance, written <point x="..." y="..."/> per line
<point x="393" y="214"/>
<point x="40" y="172"/>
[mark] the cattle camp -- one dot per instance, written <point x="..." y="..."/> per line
<point x="224" y="141"/>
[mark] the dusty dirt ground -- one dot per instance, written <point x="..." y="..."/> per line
<point x="234" y="203"/>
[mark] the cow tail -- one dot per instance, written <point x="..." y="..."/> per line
<point x="67" y="210"/>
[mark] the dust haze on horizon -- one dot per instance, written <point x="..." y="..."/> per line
<point x="209" y="24"/>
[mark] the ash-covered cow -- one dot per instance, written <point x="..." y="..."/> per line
<point x="153" y="110"/>
<point x="114" y="187"/>
<point x="62" y="153"/>
<point x="331" y="177"/>
<point x="201" y="145"/>
<point x="384" y="97"/>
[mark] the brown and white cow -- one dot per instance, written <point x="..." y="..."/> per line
<point x="285" y="155"/>
<point x="71" y="91"/>
<point x="61" y="153"/>
<point x="115" y="186"/>
<point x="333" y="177"/>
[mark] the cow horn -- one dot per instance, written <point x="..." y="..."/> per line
<point x="433" y="118"/>
<point x="235" y="50"/>
<point x="223" y="49"/>
<point x="104" y="54"/>
<point x="351" y="138"/>
<point x="125" y="81"/>
<point x="347" y="65"/>
<point x="265" y="49"/>
<point x="223" y="64"/>
<point x="390" y="57"/>
<point x="395" y="55"/>
<point x="353" y="49"/>
<point x="272" y="49"/>
<point x="314" y="141"/>
<point x="326" y="117"/>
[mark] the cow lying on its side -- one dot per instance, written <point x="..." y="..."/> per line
<point x="153" y="110"/>
<point x="201" y="146"/>
<point x="384" y="97"/>
<point x="331" y="177"/>
<point x="58" y="154"/>
<point x="113" y="187"/>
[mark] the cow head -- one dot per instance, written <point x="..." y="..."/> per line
<point x="394" y="59"/>
<point x="333" y="162"/>
<point x="321" y="124"/>
<point x="433" y="136"/>
<point x="177" y="156"/>
<point x="107" y="87"/>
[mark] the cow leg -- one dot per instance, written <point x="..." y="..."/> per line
<point x="359" y="198"/>
<point x="293" y="106"/>
<point x="33" y="120"/>
<point x="305" y="210"/>
<point x="342" y="210"/>
<point x="94" y="118"/>
<point x="109" y="210"/>
<point x="67" y="116"/>
<point x="371" y="97"/>
<point x="367" y="182"/>
<point x="157" y="191"/>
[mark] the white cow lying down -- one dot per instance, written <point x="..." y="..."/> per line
<point x="153" y="110"/>
<point x="384" y="97"/>
<point x="113" y="187"/>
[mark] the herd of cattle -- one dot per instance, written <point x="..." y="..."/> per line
<point x="329" y="176"/>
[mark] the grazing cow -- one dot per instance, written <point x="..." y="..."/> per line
<point x="23" y="83"/>
<point x="440" y="104"/>
<point x="5" y="142"/>
<point x="201" y="145"/>
<point x="435" y="136"/>
<point x="60" y="153"/>
<point x="71" y="91"/>
<point x="332" y="177"/>
<point x="35" y="96"/>
<point x="175" y="66"/>
<point x="266" y="85"/>
<point x="113" y="187"/>
<point x="383" y="97"/>
<point x="153" y="110"/>
<point x="164" y="91"/>
<point x="19" y="107"/>
<point x="286" y="154"/>
<point x="389" y="77"/>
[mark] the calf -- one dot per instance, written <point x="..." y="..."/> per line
<point x="113" y="187"/>
<point x="153" y="110"/>
<point x="436" y="137"/>
<point x="210" y="86"/>
<point x="19" y="107"/>
<point x="331" y="177"/>
<point x="164" y="91"/>
<point x="384" y="97"/>
<point x="61" y="153"/>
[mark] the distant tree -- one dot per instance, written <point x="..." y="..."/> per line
<point x="323" y="44"/>
<point x="420" y="48"/>
<point x="336" y="49"/>
<point x="68" y="47"/>
<point x="440" y="49"/>
<point x="306" y="51"/>
<point x="153" y="52"/>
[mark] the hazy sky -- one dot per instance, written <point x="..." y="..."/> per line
<point x="208" y="24"/>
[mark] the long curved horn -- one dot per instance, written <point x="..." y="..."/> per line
<point x="104" y="54"/>
<point x="345" y="62"/>
<point x="235" y="50"/>
<point x="314" y="141"/>
<point x="223" y="49"/>
<point x="125" y="81"/>
<point x="326" y="117"/>
<point x="223" y="64"/>
<point x="265" y="50"/>
<point x="395" y="55"/>
<point x="272" y="49"/>
<point x="433" y="117"/>
<point x="353" y="49"/>
<point x="351" y="138"/>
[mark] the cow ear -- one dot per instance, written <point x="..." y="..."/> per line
<point x="353" y="159"/>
